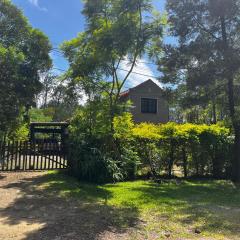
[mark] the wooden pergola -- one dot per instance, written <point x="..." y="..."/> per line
<point x="50" y="128"/>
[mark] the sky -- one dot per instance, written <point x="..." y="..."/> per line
<point x="61" y="20"/>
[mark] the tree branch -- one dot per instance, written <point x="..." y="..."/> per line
<point x="135" y="55"/>
<point x="204" y="29"/>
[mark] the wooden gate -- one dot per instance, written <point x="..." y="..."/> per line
<point x="27" y="155"/>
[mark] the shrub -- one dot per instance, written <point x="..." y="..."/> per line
<point x="21" y="133"/>
<point x="196" y="150"/>
<point x="99" y="157"/>
<point x="89" y="163"/>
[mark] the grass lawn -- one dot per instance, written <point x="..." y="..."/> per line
<point x="174" y="210"/>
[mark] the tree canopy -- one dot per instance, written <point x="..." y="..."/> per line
<point x="24" y="55"/>
<point x="206" y="59"/>
<point x="117" y="32"/>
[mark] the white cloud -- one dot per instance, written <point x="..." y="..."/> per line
<point x="141" y="73"/>
<point x="36" y="4"/>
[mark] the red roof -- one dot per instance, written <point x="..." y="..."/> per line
<point x="124" y="94"/>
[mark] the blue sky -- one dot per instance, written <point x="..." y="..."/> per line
<point x="61" y="20"/>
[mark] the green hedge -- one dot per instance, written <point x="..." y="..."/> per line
<point x="194" y="150"/>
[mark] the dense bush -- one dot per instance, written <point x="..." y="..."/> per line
<point x="195" y="150"/>
<point x="192" y="150"/>
<point x="96" y="156"/>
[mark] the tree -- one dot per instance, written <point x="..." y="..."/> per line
<point x="207" y="56"/>
<point x="117" y="32"/>
<point x="64" y="100"/>
<point x="24" y="55"/>
<point x="49" y="82"/>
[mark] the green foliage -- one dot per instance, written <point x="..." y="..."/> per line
<point x="146" y="131"/>
<point x="24" y="54"/>
<point x="21" y="133"/>
<point x="203" y="150"/>
<point x="195" y="150"/>
<point x="123" y="126"/>
<point x="97" y="156"/>
<point x="204" y="66"/>
<point x="92" y="120"/>
<point x="117" y="32"/>
<point x="40" y="115"/>
<point x="96" y="162"/>
<point x="87" y="162"/>
<point x="204" y="30"/>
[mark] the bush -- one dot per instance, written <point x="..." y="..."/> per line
<point x="89" y="163"/>
<point x="195" y="150"/>
<point x="21" y="133"/>
<point x="40" y="115"/>
<point x="98" y="157"/>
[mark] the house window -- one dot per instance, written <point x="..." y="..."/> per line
<point x="148" y="105"/>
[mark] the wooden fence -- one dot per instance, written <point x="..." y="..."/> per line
<point x="25" y="155"/>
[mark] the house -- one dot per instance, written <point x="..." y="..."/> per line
<point x="148" y="103"/>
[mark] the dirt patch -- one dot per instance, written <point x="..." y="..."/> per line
<point x="29" y="212"/>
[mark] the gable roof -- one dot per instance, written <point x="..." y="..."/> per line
<point x="126" y="93"/>
<point x="146" y="82"/>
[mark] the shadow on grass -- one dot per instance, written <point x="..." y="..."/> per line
<point x="212" y="206"/>
<point x="66" y="209"/>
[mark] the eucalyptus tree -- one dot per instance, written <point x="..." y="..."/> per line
<point x="207" y="55"/>
<point x="118" y="32"/>
<point x="49" y="82"/>
<point x="24" y="55"/>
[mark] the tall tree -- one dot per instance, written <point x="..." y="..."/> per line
<point x="207" y="55"/>
<point x="24" y="55"/>
<point x="117" y="32"/>
<point x="64" y="100"/>
<point x="49" y="82"/>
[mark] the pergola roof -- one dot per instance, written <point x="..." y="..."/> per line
<point x="49" y="124"/>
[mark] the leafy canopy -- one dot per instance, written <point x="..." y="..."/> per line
<point x="117" y="32"/>
<point x="24" y="55"/>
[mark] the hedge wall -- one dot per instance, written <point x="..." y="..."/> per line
<point x="194" y="150"/>
<point x="170" y="149"/>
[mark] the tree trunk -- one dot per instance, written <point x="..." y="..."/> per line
<point x="45" y="99"/>
<point x="216" y="169"/>
<point x="235" y="123"/>
<point x="214" y="114"/>
<point x="184" y="156"/>
<point x="196" y="161"/>
<point x="236" y="126"/>
<point x="171" y="160"/>
<point x="236" y="157"/>
<point x="151" y="164"/>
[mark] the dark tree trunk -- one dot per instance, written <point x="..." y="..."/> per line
<point x="171" y="160"/>
<point x="236" y="126"/>
<point x="236" y="157"/>
<point x="214" y="114"/>
<point x="216" y="166"/>
<point x="231" y="101"/>
<point x="184" y="158"/>
<point x="195" y="158"/>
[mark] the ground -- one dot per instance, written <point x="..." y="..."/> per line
<point x="52" y="206"/>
